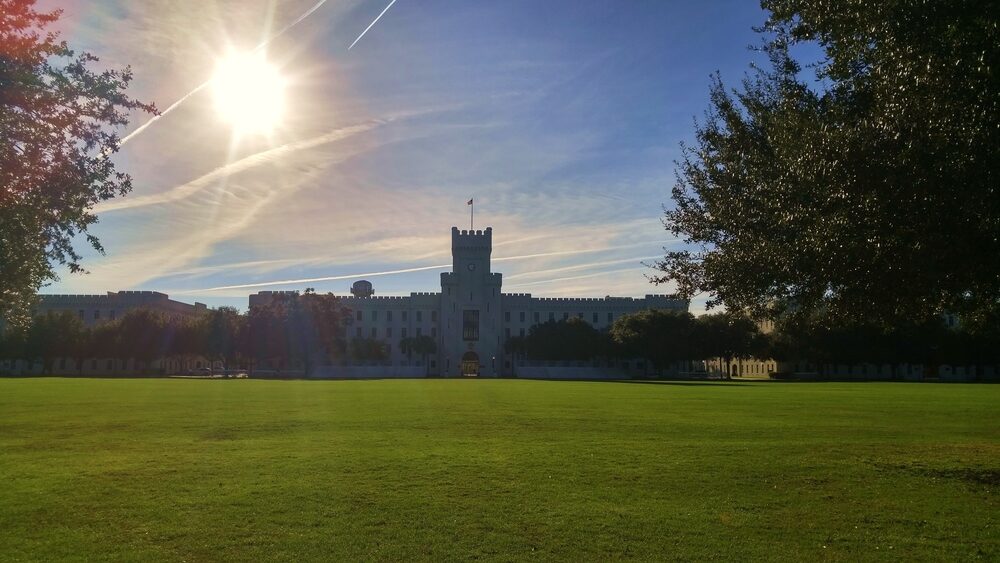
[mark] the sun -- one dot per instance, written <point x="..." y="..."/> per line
<point x="249" y="93"/>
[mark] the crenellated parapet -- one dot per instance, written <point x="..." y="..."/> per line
<point x="471" y="240"/>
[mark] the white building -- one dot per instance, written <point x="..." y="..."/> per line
<point x="471" y="318"/>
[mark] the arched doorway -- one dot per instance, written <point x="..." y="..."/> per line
<point x="470" y="364"/>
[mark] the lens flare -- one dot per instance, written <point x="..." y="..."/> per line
<point x="249" y="93"/>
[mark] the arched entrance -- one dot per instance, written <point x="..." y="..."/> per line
<point x="470" y="364"/>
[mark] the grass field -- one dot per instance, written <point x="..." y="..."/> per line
<point x="503" y="469"/>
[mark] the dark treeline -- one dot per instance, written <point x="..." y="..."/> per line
<point x="302" y="331"/>
<point x="306" y="331"/>
<point x="664" y="338"/>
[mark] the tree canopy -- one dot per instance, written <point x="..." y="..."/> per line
<point x="58" y="121"/>
<point x="869" y="191"/>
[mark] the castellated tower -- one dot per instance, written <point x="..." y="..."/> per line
<point x="471" y="327"/>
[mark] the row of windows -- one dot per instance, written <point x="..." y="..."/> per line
<point x="594" y="318"/>
<point x="403" y="333"/>
<point x="97" y="314"/>
<point x="404" y="315"/>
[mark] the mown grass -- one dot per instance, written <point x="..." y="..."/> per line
<point x="499" y="470"/>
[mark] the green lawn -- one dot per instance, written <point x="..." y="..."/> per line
<point x="504" y="469"/>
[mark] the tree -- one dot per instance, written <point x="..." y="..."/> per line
<point x="364" y="349"/>
<point x="573" y="339"/>
<point x="222" y="330"/>
<point x="144" y="336"/>
<point x="726" y="336"/>
<point x="517" y="346"/>
<point x="661" y="337"/>
<point x="422" y="345"/>
<point x="57" y="125"/>
<point x="867" y="193"/>
<point x="53" y="335"/>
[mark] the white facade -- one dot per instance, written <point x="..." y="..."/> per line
<point x="471" y="318"/>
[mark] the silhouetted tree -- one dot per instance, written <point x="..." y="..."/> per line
<point x="222" y="330"/>
<point x="726" y="336"/>
<point x="868" y="194"/>
<point x="143" y="335"/>
<point x="661" y="337"/>
<point x="422" y="345"/>
<point x="364" y="349"/>
<point x="57" y="122"/>
<point x="51" y="336"/>
<point x="517" y="347"/>
<point x="573" y="339"/>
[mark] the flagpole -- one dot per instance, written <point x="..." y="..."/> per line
<point x="472" y="214"/>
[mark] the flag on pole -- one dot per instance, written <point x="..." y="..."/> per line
<point x="468" y="202"/>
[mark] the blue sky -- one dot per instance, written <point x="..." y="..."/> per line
<point x="562" y="119"/>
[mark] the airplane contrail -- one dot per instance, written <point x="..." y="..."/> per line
<point x="372" y="24"/>
<point x="408" y="270"/>
<point x="203" y="85"/>
<point x="568" y="278"/>
<point x="189" y="188"/>
<point x="325" y="278"/>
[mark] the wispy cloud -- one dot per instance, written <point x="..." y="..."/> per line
<point x="263" y="157"/>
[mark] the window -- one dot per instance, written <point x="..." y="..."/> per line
<point x="470" y="324"/>
<point x="404" y="316"/>
<point x="359" y="315"/>
<point x="388" y="316"/>
<point x="552" y="316"/>
<point x="610" y="317"/>
<point x="374" y="332"/>
<point x="419" y="331"/>
<point x="388" y="332"/>
<point x="374" y="315"/>
<point x="434" y="316"/>
<point x="81" y="314"/>
<point x="521" y="332"/>
<point x="536" y="317"/>
<point x="420" y="316"/>
<point x="434" y="332"/>
<point x="357" y="332"/>
<point x="595" y="318"/>
<point x="506" y="316"/>
<point x="97" y="314"/>
<point x="565" y="316"/>
<point x="507" y="332"/>
<point x="403" y="332"/>
<point x="522" y="316"/>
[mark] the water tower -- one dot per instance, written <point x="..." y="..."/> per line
<point x="362" y="288"/>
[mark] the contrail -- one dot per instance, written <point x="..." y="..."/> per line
<point x="189" y="188"/>
<point x="584" y="276"/>
<point x="203" y="85"/>
<point x="371" y="24"/>
<point x="408" y="270"/>
<point x="326" y="278"/>
<point x="587" y="266"/>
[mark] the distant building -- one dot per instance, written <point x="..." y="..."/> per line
<point x="471" y="319"/>
<point x="94" y="309"/>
